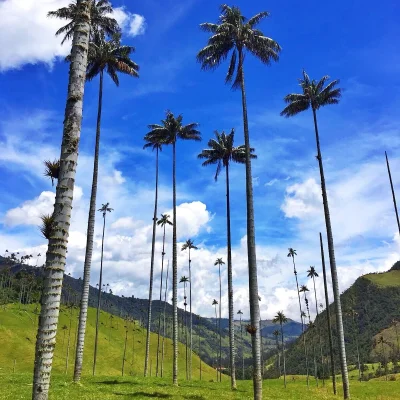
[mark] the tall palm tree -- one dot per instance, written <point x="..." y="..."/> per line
<point x="215" y="303"/>
<point x="312" y="273"/>
<point x="328" y="316"/>
<point x="185" y="280"/>
<point x="233" y="36"/>
<point x="100" y="18"/>
<point x="57" y="247"/>
<point x="316" y="95"/>
<point x="353" y="314"/>
<point x="393" y="194"/>
<point x="155" y="146"/>
<point x="168" y="132"/>
<point x="281" y="319"/>
<point x="110" y="57"/>
<point x="276" y="334"/>
<point x="189" y="245"/>
<point x="241" y="339"/>
<point x="219" y="262"/>
<point x="220" y="152"/>
<point x="164" y="322"/>
<point x="163" y="222"/>
<point x="104" y="210"/>
<point x="292" y="253"/>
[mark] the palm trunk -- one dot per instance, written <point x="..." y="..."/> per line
<point x="153" y="243"/>
<point x="279" y="357"/>
<point x="165" y="305"/>
<point x="393" y="195"/>
<point x="191" y="322"/>
<point x="355" y="327"/>
<point x="335" y="283"/>
<point x="174" y="271"/>
<point x="186" y="332"/>
<point x="328" y="316"/>
<point x="123" y="358"/>
<point x="251" y="251"/>
<point x="284" y="358"/>
<point x="57" y="247"/>
<point x="319" y="336"/>
<point x="199" y="356"/>
<point x="230" y="285"/>
<point x="216" y="329"/>
<point x="89" y="246"/>
<point x="302" y="322"/>
<point x="99" y="299"/>
<point x="241" y="338"/>
<point x="219" y="322"/>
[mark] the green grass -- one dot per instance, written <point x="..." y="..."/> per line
<point x="385" y="279"/>
<point x="18" y="386"/>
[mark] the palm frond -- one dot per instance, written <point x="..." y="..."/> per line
<point x="295" y="108"/>
<point x="253" y="21"/>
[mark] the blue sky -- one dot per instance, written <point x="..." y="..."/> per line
<point x="349" y="42"/>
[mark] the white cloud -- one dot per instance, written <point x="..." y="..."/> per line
<point x="272" y="182"/>
<point x="137" y="25"/>
<point x="132" y="24"/>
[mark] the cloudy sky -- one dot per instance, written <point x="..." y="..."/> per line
<point x="349" y="42"/>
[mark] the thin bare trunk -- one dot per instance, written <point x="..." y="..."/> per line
<point x="219" y="323"/>
<point x="123" y="358"/>
<point x="191" y="322"/>
<point x="284" y="358"/>
<point x="393" y="194"/>
<point x="57" y="247"/>
<point x="174" y="273"/>
<point x="319" y="335"/>
<point x="165" y="305"/>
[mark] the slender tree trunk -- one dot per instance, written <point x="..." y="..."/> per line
<point x="335" y="282"/>
<point x="284" y="358"/>
<point x="89" y="245"/>
<point x="69" y="340"/>
<point x="251" y="251"/>
<point x="393" y="195"/>
<point x="279" y="357"/>
<point x="57" y="248"/>
<point x="328" y="316"/>
<point x="355" y="327"/>
<point x="191" y="322"/>
<point x="199" y="356"/>
<point x="185" y="330"/>
<point x="216" y="329"/>
<point x="123" y="358"/>
<point x="319" y="336"/>
<point x="241" y="337"/>
<point x="174" y="271"/>
<point x="165" y="305"/>
<point x="153" y="244"/>
<point x="99" y="299"/>
<point x="219" y="323"/>
<point x="159" y="310"/>
<point x="230" y="285"/>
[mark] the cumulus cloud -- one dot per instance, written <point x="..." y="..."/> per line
<point x="132" y="24"/>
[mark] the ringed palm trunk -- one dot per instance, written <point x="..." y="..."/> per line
<point x="191" y="322"/>
<point x="328" y="316"/>
<point x="153" y="243"/>
<point x="230" y="285"/>
<point x="174" y="271"/>
<point x="186" y="333"/>
<point x="279" y="357"/>
<point x="241" y="337"/>
<point x="319" y="336"/>
<point x="251" y="251"/>
<point x="164" y="326"/>
<point x="284" y="358"/>
<point x="216" y="330"/>
<point x="335" y="283"/>
<point x="99" y="300"/>
<point x="219" y="323"/>
<point x="393" y="194"/>
<point x="89" y="246"/>
<point x="57" y="247"/>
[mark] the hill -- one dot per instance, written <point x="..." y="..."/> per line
<point x="375" y="298"/>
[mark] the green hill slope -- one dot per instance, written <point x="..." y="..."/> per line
<point x="18" y="326"/>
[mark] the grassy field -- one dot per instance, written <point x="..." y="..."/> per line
<point x="18" y="386"/>
<point x="385" y="279"/>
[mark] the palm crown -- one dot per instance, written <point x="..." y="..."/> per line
<point x="219" y="262"/>
<point x="276" y="333"/>
<point x="303" y="288"/>
<point x="232" y="35"/>
<point x="315" y="94"/>
<point x="188" y="245"/>
<point x="164" y="220"/>
<point x="280" y="318"/>
<point x="215" y="302"/>
<point x="105" y="208"/>
<point x="312" y="273"/>
<point x="111" y="56"/>
<point x="99" y="18"/>
<point x="184" y="279"/>
<point x="292" y="252"/>
<point x="221" y="151"/>
<point x="240" y="312"/>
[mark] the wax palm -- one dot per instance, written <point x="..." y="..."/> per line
<point x="281" y="319"/>
<point x="111" y="57"/>
<point x="215" y="303"/>
<point x="185" y="281"/>
<point x="104" y="210"/>
<point x="276" y="334"/>
<point x="317" y="94"/>
<point x="189" y="245"/>
<point x="162" y="222"/>
<point x="58" y="243"/>
<point x="240" y="313"/>
<point x="219" y="262"/>
<point x="233" y="36"/>
<point x="99" y="15"/>
<point x="353" y="314"/>
<point x="52" y="170"/>
<point x="168" y="132"/>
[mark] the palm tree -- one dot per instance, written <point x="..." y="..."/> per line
<point x="220" y="152"/>
<point x="57" y="247"/>
<point x="123" y="357"/>
<point x="292" y="253"/>
<point x="168" y="132"/>
<point x="163" y="221"/>
<point x="394" y="323"/>
<point x="316" y="95"/>
<point x="99" y="16"/>
<point x="281" y="319"/>
<point x="219" y="262"/>
<point x="104" y="210"/>
<point x="235" y="34"/>
<point x="185" y="280"/>
<point x="312" y="273"/>
<point x="215" y="303"/>
<point x="382" y="341"/>
<point x="393" y="194"/>
<point x="276" y="334"/>
<point x="353" y="314"/>
<point x="105" y="56"/>
<point x="241" y="339"/>
<point x="52" y="170"/>
<point x="164" y="326"/>
<point x="328" y="317"/>
<point x="189" y="245"/>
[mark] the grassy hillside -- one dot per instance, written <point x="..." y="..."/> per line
<point x="18" y="326"/>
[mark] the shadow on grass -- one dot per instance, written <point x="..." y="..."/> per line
<point x="153" y="395"/>
<point x="116" y="382"/>
<point x="194" y="397"/>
